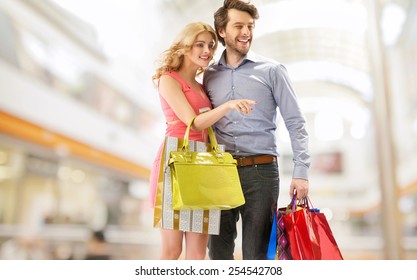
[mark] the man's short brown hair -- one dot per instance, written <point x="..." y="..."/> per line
<point x="221" y="15"/>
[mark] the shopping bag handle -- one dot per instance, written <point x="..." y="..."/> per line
<point x="293" y="204"/>
<point x="309" y="205"/>
<point x="304" y="203"/>
<point x="213" y="141"/>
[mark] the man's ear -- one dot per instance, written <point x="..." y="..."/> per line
<point x="222" y="32"/>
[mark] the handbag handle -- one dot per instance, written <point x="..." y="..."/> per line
<point x="213" y="141"/>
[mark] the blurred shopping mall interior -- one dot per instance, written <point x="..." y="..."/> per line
<point x="80" y="119"/>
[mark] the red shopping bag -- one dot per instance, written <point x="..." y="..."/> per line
<point x="279" y="247"/>
<point x="310" y="236"/>
<point x="283" y="246"/>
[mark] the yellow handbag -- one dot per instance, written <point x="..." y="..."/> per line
<point x="204" y="180"/>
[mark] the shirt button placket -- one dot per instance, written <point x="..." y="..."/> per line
<point x="234" y="122"/>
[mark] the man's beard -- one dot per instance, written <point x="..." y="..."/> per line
<point x="233" y="46"/>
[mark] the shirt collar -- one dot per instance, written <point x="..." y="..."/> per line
<point x="250" y="56"/>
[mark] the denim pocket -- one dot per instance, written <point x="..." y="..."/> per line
<point x="268" y="171"/>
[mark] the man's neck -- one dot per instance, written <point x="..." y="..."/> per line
<point x="233" y="58"/>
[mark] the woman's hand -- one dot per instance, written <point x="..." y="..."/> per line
<point x="242" y="105"/>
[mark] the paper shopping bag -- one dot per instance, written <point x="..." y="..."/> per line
<point x="310" y="236"/>
<point x="279" y="247"/>
<point x="271" y="253"/>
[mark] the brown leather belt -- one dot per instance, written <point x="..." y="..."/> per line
<point x="254" y="160"/>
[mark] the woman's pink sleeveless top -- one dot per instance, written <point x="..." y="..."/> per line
<point x="199" y="103"/>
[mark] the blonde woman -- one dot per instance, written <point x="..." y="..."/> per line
<point x="182" y="98"/>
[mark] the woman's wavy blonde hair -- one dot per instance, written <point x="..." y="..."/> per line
<point x="173" y="58"/>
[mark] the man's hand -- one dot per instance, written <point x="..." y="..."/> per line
<point x="299" y="186"/>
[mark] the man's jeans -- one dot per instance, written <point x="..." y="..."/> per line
<point x="260" y="184"/>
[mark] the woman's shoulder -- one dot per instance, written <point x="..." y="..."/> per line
<point x="172" y="75"/>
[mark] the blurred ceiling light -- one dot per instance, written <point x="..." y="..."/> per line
<point x="360" y="119"/>
<point x="357" y="131"/>
<point x="62" y="64"/>
<point x="406" y="204"/>
<point x="139" y="189"/>
<point x="36" y="48"/>
<point x="335" y="14"/>
<point x="122" y="111"/>
<point x="77" y="176"/>
<point x="347" y="111"/>
<point x="328" y="125"/>
<point x="392" y="22"/>
<point x="121" y="25"/>
<point x="332" y="72"/>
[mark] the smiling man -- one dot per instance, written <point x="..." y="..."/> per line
<point x="240" y="73"/>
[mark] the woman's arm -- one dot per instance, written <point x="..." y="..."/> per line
<point x="171" y="91"/>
